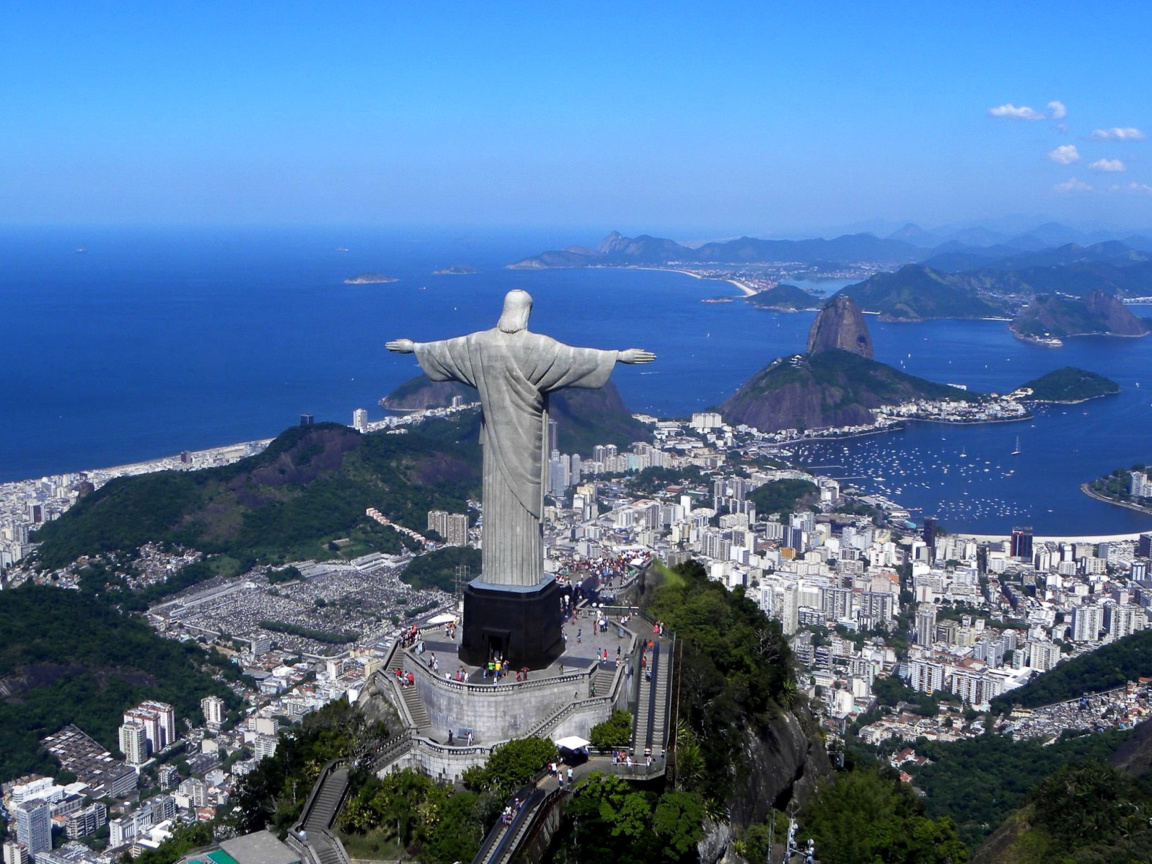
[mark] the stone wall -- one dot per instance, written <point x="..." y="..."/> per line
<point x="498" y="712"/>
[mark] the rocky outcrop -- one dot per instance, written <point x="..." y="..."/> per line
<point x="1117" y="318"/>
<point x="840" y="325"/>
<point x="782" y="762"/>
<point x="1098" y="313"/>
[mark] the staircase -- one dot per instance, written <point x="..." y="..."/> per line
<point x="650" y="731"/>
<point x="416" y="710"/>
<point x="602" y="682"/>
<point x="326" y="802"/>
<point x="662" y="681"/>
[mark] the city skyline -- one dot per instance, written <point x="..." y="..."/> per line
<point x="678" y="121"/>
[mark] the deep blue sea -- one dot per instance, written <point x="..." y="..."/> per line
<point x="151" y="342"/>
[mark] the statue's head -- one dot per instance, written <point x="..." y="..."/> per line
<point x="517" y="308"/>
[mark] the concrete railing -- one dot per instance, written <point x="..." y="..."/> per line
<point x="325" y="772"/>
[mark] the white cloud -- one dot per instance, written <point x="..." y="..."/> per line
<point x="1059" y="112"/>
<point x="1142" y="188"/>
<point x="1119" y="133"/>
<point x="1065" y="154"/>
<point x="1021" y="113"/>
<point x="1107" y="165"/>
<point x="1073" y="185"/>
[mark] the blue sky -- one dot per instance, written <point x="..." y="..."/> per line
<point x="680" y="119"/>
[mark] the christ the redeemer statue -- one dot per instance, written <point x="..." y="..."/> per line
<point x="515" y="370"/>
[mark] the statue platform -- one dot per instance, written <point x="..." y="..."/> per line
<point x="574" y="692"/>
<point x="524" y="624"/>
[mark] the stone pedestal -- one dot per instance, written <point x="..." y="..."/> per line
<point x="523" y="624"/>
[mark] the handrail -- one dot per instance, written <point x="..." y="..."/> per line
<point x="505" y="688"/>
<point x="325" y="772"/>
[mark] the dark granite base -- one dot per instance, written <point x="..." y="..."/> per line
<point x="523" y="624"/>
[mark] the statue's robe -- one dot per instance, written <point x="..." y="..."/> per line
<point x="514" y="373"/>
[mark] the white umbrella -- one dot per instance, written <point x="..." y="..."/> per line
<point x="572" y="742"/>
<point x="442" y="618"/>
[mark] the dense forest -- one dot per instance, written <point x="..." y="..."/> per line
<point x="67" y="658"/>
<point x="308" y="489"/>
<point x="977" y="782"/>
<point x="438" y="569"/>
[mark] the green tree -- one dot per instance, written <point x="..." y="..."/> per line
<point x="510" y="766"/>
<point x="864" y="818"/>
<point x="616" y="731"/>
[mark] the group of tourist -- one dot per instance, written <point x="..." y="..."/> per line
<point x="623" y="757"/>
<point x="510" y="812"/>
<point x="405" y="680"/>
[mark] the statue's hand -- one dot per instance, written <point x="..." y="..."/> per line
<point x="401" y="346"/>
<point x="636" y="356"/>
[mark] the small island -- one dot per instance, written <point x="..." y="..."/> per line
<point x="786" y="298"/>
<point x="455" y="270"/>
<point x="1070" y="385"/>
<point x="370" y="279"/>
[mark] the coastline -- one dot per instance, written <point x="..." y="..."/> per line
<point x="1087" y="489"/>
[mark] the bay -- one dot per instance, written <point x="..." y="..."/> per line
<point x="151" y="342"/>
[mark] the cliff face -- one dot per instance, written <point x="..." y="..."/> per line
<point x="840" y="325"/>
<point x="783" y="762"/>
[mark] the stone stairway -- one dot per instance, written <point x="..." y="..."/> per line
<point x="326" y="802"/>
<point x="602" y="682"/>
<point x="416" y="710"/>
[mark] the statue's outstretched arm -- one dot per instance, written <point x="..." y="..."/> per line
<point x="635" y="356"/>
<point x="401" y="346"/>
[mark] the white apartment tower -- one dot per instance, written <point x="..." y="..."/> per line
<point x="213" y="708"/>
<point x="134" y="742"/>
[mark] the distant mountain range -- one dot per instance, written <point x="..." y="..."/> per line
<point x="1046" y="245"/>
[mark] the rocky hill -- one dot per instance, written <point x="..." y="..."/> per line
<point x="837" y="383"/>
<point x="840" y="325"/>
<point x="787" y="297"/>
<point x="312" y="485"/>
<point x="915" y="292"/>
<point x="1069" y="385"/>
<point x="833" y="388"/>
<point x="1098" y="313"/>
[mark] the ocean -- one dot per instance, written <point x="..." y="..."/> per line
<point x="149" y="342"/>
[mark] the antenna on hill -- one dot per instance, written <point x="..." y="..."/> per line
<point x="462" y="573"/>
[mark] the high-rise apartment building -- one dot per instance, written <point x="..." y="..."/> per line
<point x="1086" y="623"/>
<point x="925" y="623"/>
<point x="213" y="708"/>
<point x="134" y="742"/>
<point x="34" y="826"/>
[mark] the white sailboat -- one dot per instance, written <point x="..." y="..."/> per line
<point x="1016" y="452"/>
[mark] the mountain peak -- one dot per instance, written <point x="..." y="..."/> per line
<point x="840" y="326"/>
